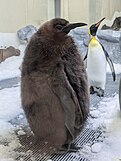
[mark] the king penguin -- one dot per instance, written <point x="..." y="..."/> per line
<point x="97" y="58"/>
<point x="54" y="85"/>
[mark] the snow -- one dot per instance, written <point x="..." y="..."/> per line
<point x="21" y="132"/>
<point x="10" y="67"/>
<point x="10" y="99"/>
<point x="10" y="106"/>
<point x="96" y="148"/>
<point x="112" y="144"/>
<point x="108" y="116"/>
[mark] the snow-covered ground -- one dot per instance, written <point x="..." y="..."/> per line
<point x="10" y="67"/>
<point x="10" y="106"/>
<point x="107" y="115"/>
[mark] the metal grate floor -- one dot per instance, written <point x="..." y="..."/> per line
<point x="29" y="151"/>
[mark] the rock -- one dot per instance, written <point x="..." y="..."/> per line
<point x="111" y="40"/>
<point x="113" y="50"/>
<point x="96" y="148"/>
<point x="79" y="33"/>
<point x="26" y="33"/>
<point x="8" y="52"/>
<point x="81" y="38"/>
<point x="115" y="26"/>
<point x="109" y="35"/>
<point x="105" y="27"/>
<point x="87" y="40"/>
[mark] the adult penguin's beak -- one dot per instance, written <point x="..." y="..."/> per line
<point x="98" y="23"/>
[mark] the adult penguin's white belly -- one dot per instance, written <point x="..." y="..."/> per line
<point x="96" y="65"/>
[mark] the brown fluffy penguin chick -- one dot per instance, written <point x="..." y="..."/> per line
<point x="54" y="86"/>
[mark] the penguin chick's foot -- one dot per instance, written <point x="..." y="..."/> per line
<point x="100" y="92"/>
<point x="69" y="148"/>
<point x="92" y="91"/>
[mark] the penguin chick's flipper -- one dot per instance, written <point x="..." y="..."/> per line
<point x="69" y="103"/>
<point x="110" y="63"/>
<point x="77" y="78"/>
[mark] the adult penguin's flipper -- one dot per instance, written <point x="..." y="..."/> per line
<point x="110" y="63"/>
<point x="112" y="68"/>
<point x="120" y="93"/>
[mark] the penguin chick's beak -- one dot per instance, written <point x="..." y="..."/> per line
<point x="71" y="26"/>
<point x="98" y="23"/>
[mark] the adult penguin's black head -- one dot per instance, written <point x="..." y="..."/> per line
<point x="58" y="27"/>
<point x="94" y="27"/>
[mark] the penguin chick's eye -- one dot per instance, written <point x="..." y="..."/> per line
<point x="59" y="27"/>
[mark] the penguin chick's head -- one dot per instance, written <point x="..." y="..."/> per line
<point x="94" y="27"/>
<point x="58" y="27"/>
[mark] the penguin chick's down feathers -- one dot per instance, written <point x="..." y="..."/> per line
<point x="54" y="86"/>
